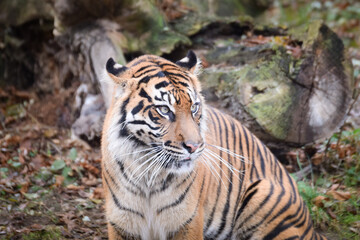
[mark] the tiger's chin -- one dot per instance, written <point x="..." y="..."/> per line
<point x="182" y="166"/>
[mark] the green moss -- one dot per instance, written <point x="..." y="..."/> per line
<point x="50" y="233"/>
<point x="271" y="98"/>
<point x="262" y="86"/>
<point x="163" y="41"/>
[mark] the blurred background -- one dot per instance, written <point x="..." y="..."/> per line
<point x="288" y="70"/>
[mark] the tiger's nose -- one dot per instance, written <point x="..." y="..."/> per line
<point x="190" y="146"/>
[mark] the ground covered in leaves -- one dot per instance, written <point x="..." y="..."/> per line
<point x="50" y="184"/>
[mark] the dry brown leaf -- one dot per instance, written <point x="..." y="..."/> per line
<point x="318" y="201"/>
<point x="341" y="196"/>
<point x="90" y="168"/>
<point x="69" y="219"/>
<point x="334" y="186"/>
<point x="74" y="187"/>
<point x="36" y="226"/>
<point x="24" y="188"/>
<point x="91" y="181"/>
<point x="317" y="159"/>
<point x="50" y="133"/>
<point x="98" y="193"/>
<point x="38" y="161"/>
<point x="59" y="180"/>
<point x="331" y="213"/>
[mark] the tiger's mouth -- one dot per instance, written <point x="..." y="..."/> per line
<point x="183" y="163"/>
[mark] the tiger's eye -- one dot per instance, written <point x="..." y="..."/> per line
<point x="194" y="108"/>
<point x="164" y="110"/>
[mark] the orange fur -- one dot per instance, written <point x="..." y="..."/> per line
<point x="230" y="187"/>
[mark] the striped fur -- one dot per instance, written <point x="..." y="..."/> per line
<point x="175" y="168"/>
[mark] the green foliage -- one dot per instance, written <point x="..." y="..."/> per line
<point x="73" y="154"/>
<point x="337" y="214"/>
<point x="57" y="165"/>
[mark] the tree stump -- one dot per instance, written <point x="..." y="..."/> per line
<point x="293" y="97"/>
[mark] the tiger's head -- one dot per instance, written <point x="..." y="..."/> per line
<point x="157" y="109"/>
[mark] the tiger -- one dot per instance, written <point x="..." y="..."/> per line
<point x="174" y="167"/>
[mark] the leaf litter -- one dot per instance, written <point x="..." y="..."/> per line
<point x="50" y="184"/>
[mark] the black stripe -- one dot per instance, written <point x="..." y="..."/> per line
<point x="117" y="203"/>
<point x="250" y="230"/>
<point x="292" y="238"/>
<point x="124" y="234"/>
<point x="142" y="122"/>
<point x="127" y="179"/>
<point x="185" y="179"/>
<point x="138" y="108"/>
<point x="165" y="184"/>
<point x="146" y="79"/>
<point x="184" y="84"/>
<point x="252" y="214"/>
<point x="254" y="167"/>
<point x="162" y="65"/>
<point x="218" y="191"/>
<point x="189" y="220"/>
<point x="162" y="84"/>
<point x="153" y="118"/>
<point x="123" y="131"/>
<point x="281" y="226"/>
<point x="244" y="203"/>
<point x="227" y="204"/>
<point x="143" y="68"/>
<point x="176" y="75"/>
<point x="117" y="186"/>
<point x="179" y="200"/>
<point x="262" y="159"/>
<point x="144" y="94"/>
<point x="241" y="176"/>
<point x="253" y="185"/>
<point x="283" y="209"/>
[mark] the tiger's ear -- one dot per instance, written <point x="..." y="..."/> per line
<point x="190" y="63"/>
<point x="120" y="74"/>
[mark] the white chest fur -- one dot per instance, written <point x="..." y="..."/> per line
<point x="153" y="215"/>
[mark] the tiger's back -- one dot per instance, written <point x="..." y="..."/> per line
<point x="262" y="200"/>
<point x="174" y="168"/>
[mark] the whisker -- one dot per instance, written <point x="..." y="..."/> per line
<point x="240" y="157"/>
<point x="137" y="160"/>
<point x="227" y="164"/>
<point x="145" y="162"/>
<point x="214" y="161"/>
<point x="156" y="157"/>
<point x="155" y="173"/>
<point x="211" y="169"/>
<point x="144" y="150"/>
